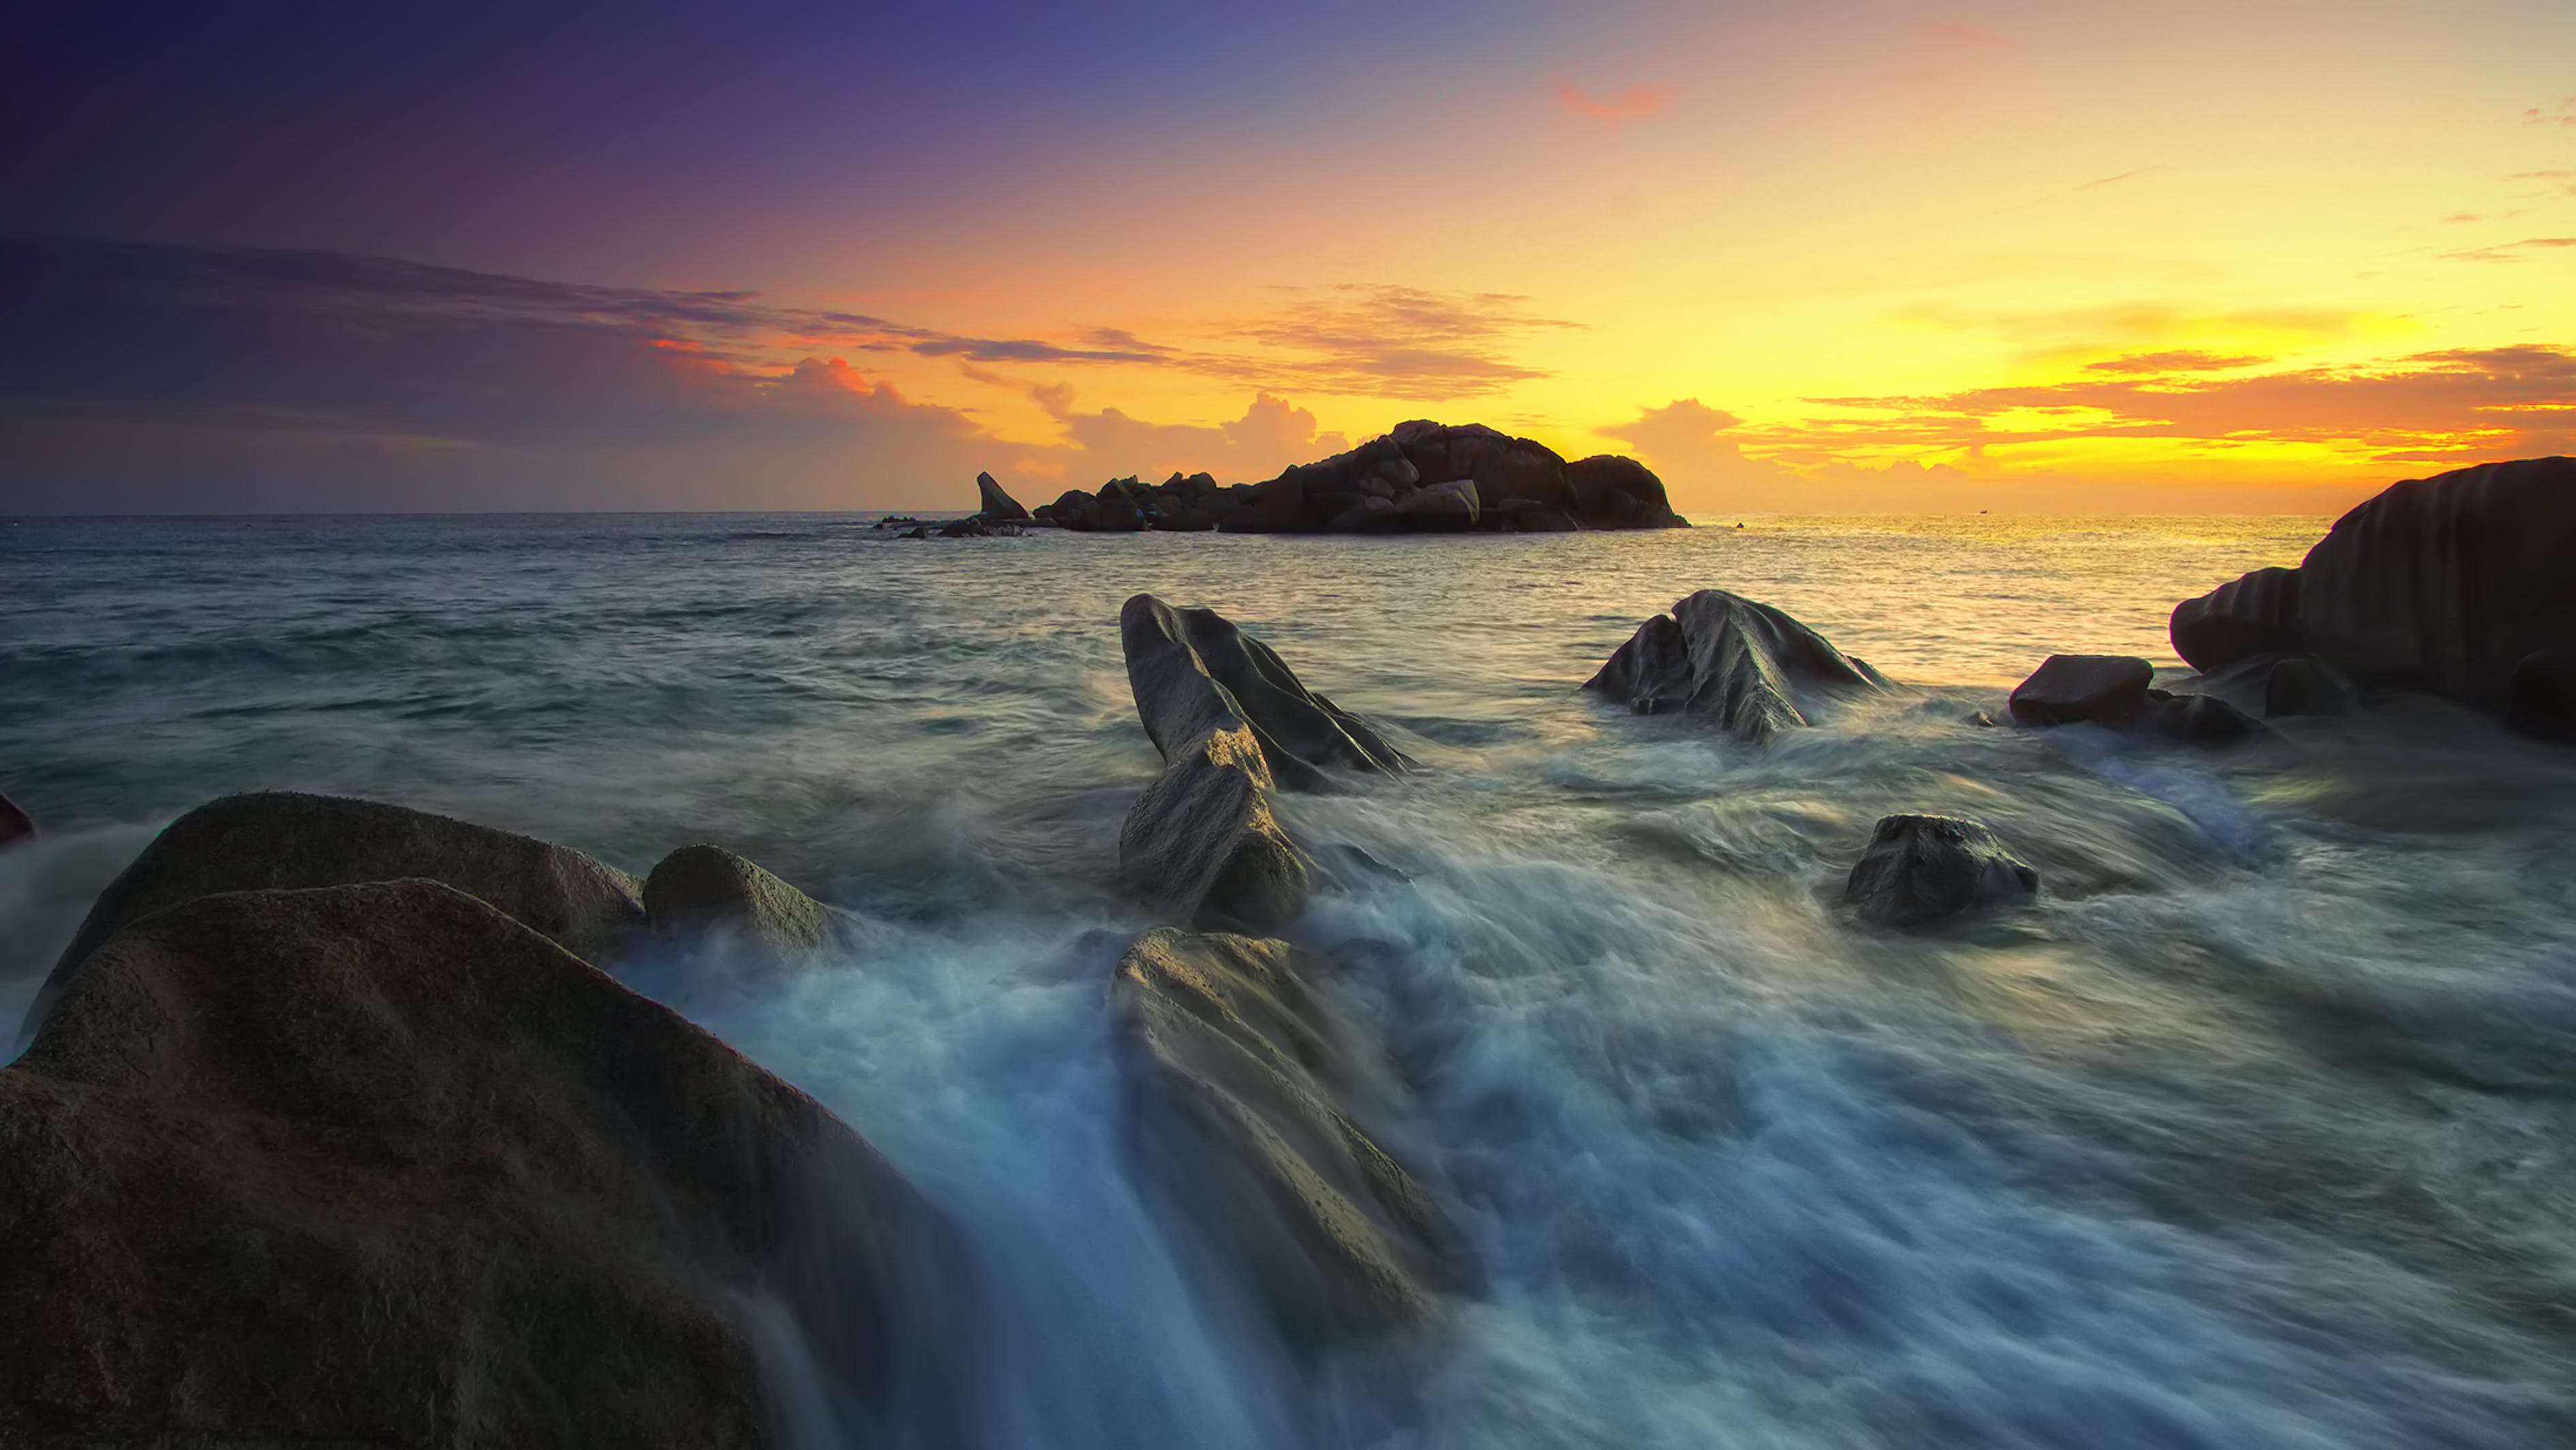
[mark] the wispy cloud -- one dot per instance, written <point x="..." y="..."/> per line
<point x="2562" y="114"/>
<point x="1617" y="108"/>
<point x="1384" y="340"/>
<point x="2510" y="251"/>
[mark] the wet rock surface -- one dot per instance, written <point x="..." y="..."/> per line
<point x="2074" y="689"/>
<point x="701" y="889"/>
<point x="1921" y="869"/>
<point x="1752" y="668"/>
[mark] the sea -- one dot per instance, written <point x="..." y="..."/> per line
<point x="2256" y="1128"/>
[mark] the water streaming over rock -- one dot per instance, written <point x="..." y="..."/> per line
<point x="2253" y="1129"/>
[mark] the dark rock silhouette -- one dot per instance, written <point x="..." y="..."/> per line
<point x="1203" y="842"/>
<point x="15" y="824"/>
<point x="2541" y="702"/>
<point x="1250" y="1106"/>
<point x="2444" y="584"/>
<point x="2254" y="615"/>
<point x="1920" y="869"/>
<point x="995" y="504"/>
<point x="282" y="840"/>
<point x="2306" y="685"/>
<point x="2071" y="689"/>
<point x="698" y="889"/>
<point x="379" y="1164"/>
<point x="1423" y="477"/>
<point x="1747" y="665"/>
<point x="1192" y="670"/>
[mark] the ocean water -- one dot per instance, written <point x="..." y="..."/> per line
<point x="2257" y="1128"/>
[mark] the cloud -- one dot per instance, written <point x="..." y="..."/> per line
<point x="1382" y="340"/>
<point x="166" y="377"/>
<point x="1271" y="433"/>
<point x="2563" y="114"/>
<point x="2179" y="361"/>
<point x="1633" y="104"/>
<point x="2510" y="251"/>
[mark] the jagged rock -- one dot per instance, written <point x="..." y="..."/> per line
<point x="1192" y="670"/>
<point x="379" y="1165"/>
<point x="1076" y="510"/>
<point x="2306" y="685"/>
<point x="1249" y="1104"/>
<point x="1203" y="841"/>
<point x="2255" y="615"/>
<point x="15" y="824"/>
<point x="1367" y="514"/>
<point x="697" y="889"/>
<point x="1745" y="664"/>
<point x="2447" y="584"/>
<point x="995" y="504"/>
<point x="2068" y="689"/>
<point x="2541" y="701"/>
<point x="1919" y="869"/>
<point x="1117" y="511"/>
<point x="2198" y="719"/>
<point x="285" y="839"/>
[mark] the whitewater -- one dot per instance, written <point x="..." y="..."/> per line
<point x="2253" y="1129"/>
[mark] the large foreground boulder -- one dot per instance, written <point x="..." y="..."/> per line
<point x="2254" y="615"/>
<point x="2445" y="584"/>
<point x="995" y="504"/>
<point x="2074" y="689"/>
<point x="1203" y="842"/>
<point x="1253" y="1108"/>
<point x="1922" y="869"/>
<point x="380" y="1165"/>
<point x="1744" y="664"/>
<point x="698" y="890"/>
<point x="283" y="839"/>
<point x="1193" y="670"/>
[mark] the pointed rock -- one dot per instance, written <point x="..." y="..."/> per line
<point x="996" y="505"/>
<point x="1746" y="665"/>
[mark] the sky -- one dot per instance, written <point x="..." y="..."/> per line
<point x="1834" y="256"/>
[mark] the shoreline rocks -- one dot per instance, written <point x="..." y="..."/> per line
<point x="380" y="1164"/>
<point x="1751" y="667"/>
<point x="2071" y="689"/>
<point x="1191" y="669"/>
<point x="2447" y="585"/>
<point x="1203" y="841"/>
<point x="1246" y="1105"/>
<point x="275" y="840"/>
<point x="698" y="890"/>
<point x="1921" y="869"/>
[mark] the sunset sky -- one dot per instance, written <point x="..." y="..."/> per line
<point x="1832" y="256"/>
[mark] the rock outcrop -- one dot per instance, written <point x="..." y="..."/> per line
<point x="283" y="840"/>
<point x="15" y="824"/>
<point x="995" y="504"/>
<point x="381" y="1165"/>
<point x="1192" y="670"/>
<point x="2073" y="689"/>
<point x="2205" y="720"/>
<point x="1922" y="869"/>
<point x="1423" y="477"/>
<point x="1203" y="842"/>
<point x="2445" y="585"/>
<point x="1748" y="666"/>
<point x="2541" y="702"/>
<point x="701" y="889"/>
<point x="2306" y="685"/>
<point x="1249" y="1104"/>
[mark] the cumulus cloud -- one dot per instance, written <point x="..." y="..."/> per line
<point x="1271" y="433"/>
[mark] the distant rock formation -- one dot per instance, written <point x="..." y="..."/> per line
<point x="2457" y="585"/>
<point x="995" y="505"/>
<point x="1422" y="478"/>
<point x="1742" y="663"/>
<point x="1921" y="869"/>
<point x="285" y="840"/>
<point x="379" y="1164"/>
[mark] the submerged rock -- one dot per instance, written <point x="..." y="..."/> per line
<point x="698" y="889"/>
<point x="1203" y="841"/>
<point x="995" y="504"/>
<point x="2198" y="719"/>
<point x="1249" y="1106"/>
<point x="2071" y="689"/>
<point x="284" y="839"/>
<point x="2306" y="685"/>
<point x="1920" y="869"/>
<point x="15" y="824"/>
<point x="1192" y="670"/>
<point x="1744" y="664"/>
<point x="380" y="1165"/>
